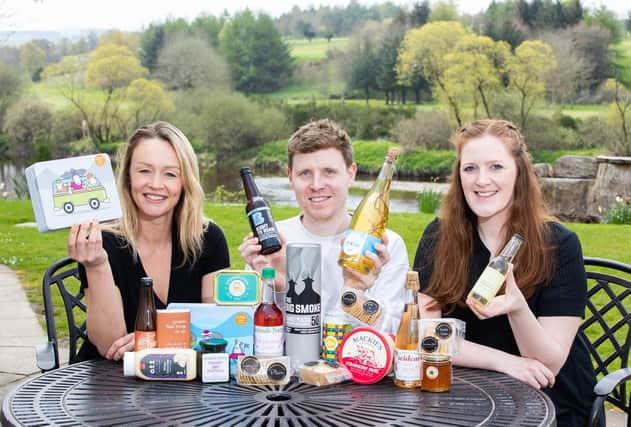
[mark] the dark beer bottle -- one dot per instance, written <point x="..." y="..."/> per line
<point x="145" y="326"/>
<point x="260" y="215"/>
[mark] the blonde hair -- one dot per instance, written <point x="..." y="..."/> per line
<point x="188" y="215"/>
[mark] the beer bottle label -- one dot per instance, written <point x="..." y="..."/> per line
<point x="144" y="339"/>
<point x="358" y="243"/>
<point x="261" y="223"/>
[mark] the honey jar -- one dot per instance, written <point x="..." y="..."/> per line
<point x="436" y="372"/>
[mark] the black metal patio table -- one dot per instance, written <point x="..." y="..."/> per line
<point x="97" y="393"/>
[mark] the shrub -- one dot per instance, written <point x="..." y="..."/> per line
<point x="428" y="130"/>
<point x="66" y="127"/>
<point x="28" y="125"/>
<point x="221" y="195"/>
<point x="429" y="201"/>
<point x="620" y="214"/>
<point x="543" y="133"/>
<point x="594" y="132"/>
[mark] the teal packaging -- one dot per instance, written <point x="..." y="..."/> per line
<point x="237" y="287"/>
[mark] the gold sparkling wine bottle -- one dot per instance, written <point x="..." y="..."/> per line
<point x="407" y="359"/>
<point x="369" y="220"/>
<point x="493" y="276"/>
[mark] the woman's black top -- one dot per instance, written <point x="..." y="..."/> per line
<point x="564" y="295"/>
<point x="185" y="282"/>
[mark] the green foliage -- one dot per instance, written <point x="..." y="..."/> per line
<point x="550" y="156"/>
<point x="620" y="214"/>
<point x="222" y="195"/>
<point x="187" y="62"/>
<point x="28" y="125"/>
<point x="272" y="155"/>
<point x="228" y="123"/>
<point x="10" y="88"/>
<point x="427" y="130"/>
<point x="316" y="49"/>
<point x="359" y="121"/>
<point x="429" y="201"/>
<point x="603" y="17"/>
<point x="259" y="59"/>
<point x="150" y="43"/>
<point x="426" y="164"/>
<point x="113" y="66"/>
<point x="66" y="127"/>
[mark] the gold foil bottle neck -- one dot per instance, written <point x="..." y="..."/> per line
<point x="393" y="154"/>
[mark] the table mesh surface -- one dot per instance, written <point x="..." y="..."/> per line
<point x="95" y="393"/>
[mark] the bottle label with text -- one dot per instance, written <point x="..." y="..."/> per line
<point x="489" y="283"/>
<point x="407" y="365"/>
<point x="269" y="340"/>
<point x="145" y="339"/>
<point x="358" y="243"/>
<point x="261" y="220"/>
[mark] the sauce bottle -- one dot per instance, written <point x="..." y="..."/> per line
<point x="145" y="326"/>
<point x="260" y="215"/>
<point x="369" y="220"/>
<point x="176" y="364"/>
<point x="269" y="328"/>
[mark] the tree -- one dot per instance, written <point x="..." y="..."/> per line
<point x="419" y="15"/>
<point x="627" y="22"/>
<point x="111" y="67"/>
<point x="620" y="116"/>
<point x="10" y="89"/>
<point x="475" y="67"/>
<point x="150" y="43"/>
<point x="259" y="59"/>
<point x="147" y="101"/>
<point x="32" y="59"/>
<point x="120" y="38"/>
<point x="423" y="54"/>
<point x="187" y="62"/>
<point x="28" y="125"/>
<point x="605" y="18"/>
<point x="306" y="29"/>
<point x="527" y="69"/>
<point x="208" y="28"/>
<point x="444" y="10"/>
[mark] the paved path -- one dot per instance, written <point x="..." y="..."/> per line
<point x="20" y="332"/>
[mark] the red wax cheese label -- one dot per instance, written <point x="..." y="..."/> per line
<point x="367" y="354"/>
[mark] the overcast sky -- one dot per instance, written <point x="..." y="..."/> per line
<point x="135" y="14"/>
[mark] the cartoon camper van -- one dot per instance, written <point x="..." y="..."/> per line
<point x="78" y="187"/>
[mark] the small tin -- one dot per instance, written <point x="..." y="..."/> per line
<point x="334" y="329"/>
<point x="237" y="287"/>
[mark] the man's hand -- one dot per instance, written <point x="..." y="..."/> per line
<point x="250" y="251"/>
<point x="365" y="281"/>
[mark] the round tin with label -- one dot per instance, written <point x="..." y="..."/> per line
<point x="367" y="354"/>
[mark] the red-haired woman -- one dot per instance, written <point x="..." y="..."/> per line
<point x="529" y="330"/>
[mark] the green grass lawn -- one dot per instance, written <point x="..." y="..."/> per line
<point x="30" y="253"/>
<point x="316" y="49"/>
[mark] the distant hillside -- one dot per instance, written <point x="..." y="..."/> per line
<point x="17" y="38"/>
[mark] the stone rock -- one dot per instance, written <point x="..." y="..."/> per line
<point x="612" y="184"/>
<point x="575" y="167"/>
<point x="543" y="170"/>
<point x="566" y="198"/>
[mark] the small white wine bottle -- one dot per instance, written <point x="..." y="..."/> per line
<point x="494" y="274"/>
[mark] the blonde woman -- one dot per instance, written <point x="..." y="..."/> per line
<point x="162" y="234"/>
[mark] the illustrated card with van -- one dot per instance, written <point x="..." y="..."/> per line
<point x="67" y="191"/>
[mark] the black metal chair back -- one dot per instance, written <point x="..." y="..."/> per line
<point x="607" y="328"/>
<point x="64" y="274"/>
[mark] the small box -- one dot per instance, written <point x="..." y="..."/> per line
<point x="173" y="328"/>
<point x="441" y="336"/>
<point x="235" y="324"/>
<point x="237" y="287"/>
<point x="68" y="191"/>
<point x="263" y="370"/>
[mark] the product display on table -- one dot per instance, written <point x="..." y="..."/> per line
<point x="355" y="303"/>
<point x="175" y="364"/>
<point x="407" y="359"/>
<point x="322" y="373"/>
<point x="263" y="370"/>
<point x="173" y="328"/>
<point x="72" y="190"/>
<point x="145" y="327"/>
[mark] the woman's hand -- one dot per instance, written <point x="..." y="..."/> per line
<point x="365" y="281"/>
<point x="529" y="371"/>
<point x="512" y="300"/>
<point x="85" y="244"/>
<point x="120" y="346"/>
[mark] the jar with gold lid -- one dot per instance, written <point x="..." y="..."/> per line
<point x="436" y="372"/>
